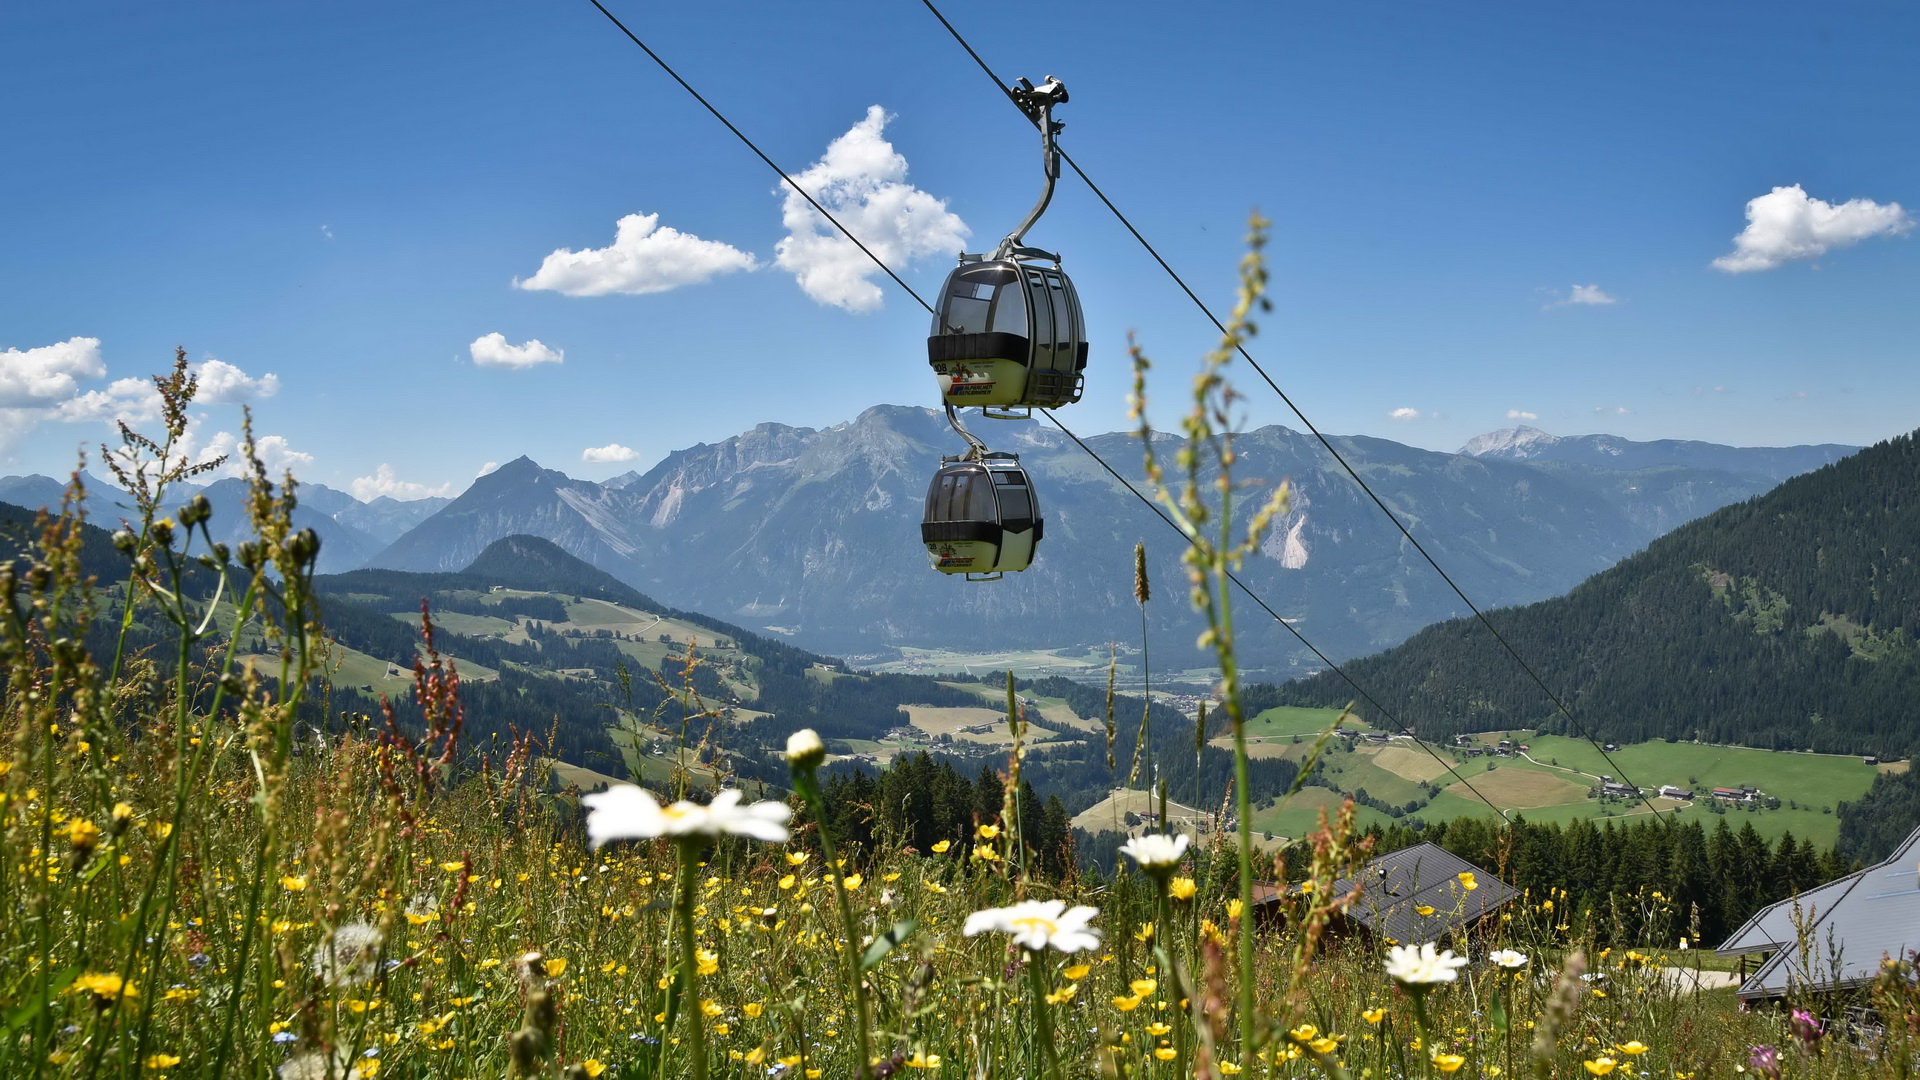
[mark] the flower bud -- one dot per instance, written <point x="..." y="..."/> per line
<point x="304" y="547"/>
<point x="805" y="750"/>
<point x="124" y="540"/>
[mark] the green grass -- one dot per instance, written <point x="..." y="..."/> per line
<point x="1810" y="779"/>
<point x="1283" y="721"/>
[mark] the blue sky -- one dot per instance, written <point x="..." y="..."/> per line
<point x="343" y="196"/>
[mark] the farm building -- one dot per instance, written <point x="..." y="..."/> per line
<point x="1614" y="787"/>
<point x="1409" y="897"/>
<point x="1668" y="791"/>
<point x="1850" y="925"/>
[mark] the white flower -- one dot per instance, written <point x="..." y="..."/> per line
<point x="1423" y="966"/>
<point x="805" y="748"/>
<point x="1156" y="851"/>
<point x="625" y="812"/>
<point x="1509" y="959"/>
<point x="348" y="958"/>
<point x="1039" y="924"/>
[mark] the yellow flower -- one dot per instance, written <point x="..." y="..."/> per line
<point x="1325" y="1045"/>
<point x="106" y="988"/>
<point x="923" y="1061"/>
<point x="1424" y="909"/>
<point x="1164" y="1053"/>
<point x="1633" y="1049"/>
<point x="1158" y="1029"/>
<point x="1467" y="882"/>
<point x="1228" y="1068"/>
<point x="294" y="883"/>
<point x="752" y="1009"/>
<point x="1233" y="909"/>
<point x="453" y="867"/>
<point x="1448" y="1062"/>
<point x="795" y="858"/>
<point x="1064" y="994"/>
<point x="711" y="1008"/>
<point x="162" y="1061"/>
<point x="786" y="883"/>
<point x="1077" y="971"/>
<point x="987" y="832"/>
<point x="936" y="887"/>
<point x="1600" y="1066"/>
<point x="592" y="1067"/>
<point x="1126" y="1004"/>
<point x="705" y="961"/>
<point x="1143" y="987"/>
<point x="1373" y="1016"/>
<point x="940" y="847"/>
<point x="1181" y="888"/>
<point x="556" y="967"/>
<point x="852" y="882"/>
<point x="1145" y="933"/>
<point x="1303" y="1033"/>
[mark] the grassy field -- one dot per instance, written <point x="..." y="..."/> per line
<point x="950" y="720"/>
<point x="1024" y="663"/>
<point x="1286" y="721"/>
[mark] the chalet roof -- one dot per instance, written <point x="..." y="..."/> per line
<point x="1851" y="924"/>
<point x="1396" y="885"/>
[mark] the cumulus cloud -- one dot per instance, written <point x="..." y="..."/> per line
<point x="493" y="350"/>
<point x="275" y="453"/>
<point x="861" y="181"/>
<point x="646" y="257"/>
<point x="1787" y="223"/>
<point x="1405" y="414"/>
<point x="385" y="482"/>
<point x="134" y="400"/>
<point x="612" y="452"/>
<point x="1519" y="414"/>
<point x="48" y="374"/>
<point x="221" y="382"/>
<point x="485" y="469"/>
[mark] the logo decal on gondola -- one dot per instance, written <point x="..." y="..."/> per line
<point x="963" y="381"/>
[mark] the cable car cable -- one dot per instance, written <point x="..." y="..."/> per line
<point x="1315" y="431"/>
<point x="1290" y="628"/>
<point x="844" y="231"/>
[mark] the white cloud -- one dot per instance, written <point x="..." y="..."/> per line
<point x="384" y="482"/>
<point x="1589" y="294"/>
<point x="485" y="469"/>
<point x="492" y="350"/>
<point x="1787" y="224"/>
<point x="1405" y="414"/>
<point x="1617" y="410"/>
<point x="646" y="257"/>
<point x="223" y="383"/>
<point x="860" y="180"/>
<point x="275" y="454"/>
<point x="46" y="375"/>
<point x="1517" y="414"/>
<point x="136" y="401"/>
<point x="326" y="231"/>
<point x="611" y="452"/>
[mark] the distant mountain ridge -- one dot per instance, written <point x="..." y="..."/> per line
<point x="814" y="532"/>
<point x="1610" y="451"/>
<point x="1786" y="621"/>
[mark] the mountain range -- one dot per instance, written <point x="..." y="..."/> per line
<point x="811" y="533"/>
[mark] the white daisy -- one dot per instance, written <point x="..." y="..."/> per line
<point x="625" y="812"/>
<point x="1039" y="924"/>
<point x="1156" y="851"/>
<point x="805" y="748"/>
<point x="1418" y="967"/>
<point x="1509" y="959"/>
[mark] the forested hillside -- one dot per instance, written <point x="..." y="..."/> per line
<point x="1786" y="622"/>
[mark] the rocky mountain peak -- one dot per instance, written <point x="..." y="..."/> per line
<point x="1513" y="442"/>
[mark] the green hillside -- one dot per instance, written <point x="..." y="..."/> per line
<point x="1785" y="622"/>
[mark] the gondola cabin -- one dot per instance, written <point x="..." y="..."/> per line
<point x="982" y="519"/>
<point x="1008" y="335"/>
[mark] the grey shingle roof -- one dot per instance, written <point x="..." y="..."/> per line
<point x="1852" y="923"/>
<point x="1396" y="885"/>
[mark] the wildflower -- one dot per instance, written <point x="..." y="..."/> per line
<point x="986" y="832"/>
<point x="1448" y="1062"/>
<point x="294" y="883"/>
<point x="592" y="1067"/>
<point x="851" y="882"/>
<point x="106" y="988"/>
<point x="1633" y="1048"/>
<point x="1466" y="880"/>
<point x="796" y="858"/>
<point x="1127" y="1004"/>
<point x="1143" y="987"/>
<point x="1423" y="909"/>
<point x="1077" y="971"/>
<point x="1233" y="909"/>
<point x="1156" y="853"/>
<point x="753" y="1009"/>
<point x="804" y="749"/>
<point x="1509" y="959"/>
<point x="1764" y="1060"/>
<point x="626" y="812"/>
<point x="940" y="846"/>
<point x="1418" y="969"/>
<point x="347" y="959"/>
<point x="158" y="1062"/>
<point x="555" y="967"/>
<point x="706" y="960"/>
<point x="923" y="1061"/>
<point x="1600" y="1066"/>
<point x="1182" y="888"/>
<point x="1064" y="994"/>
<point x="1164" y="1053"/>
<point x="1373" y="1016"/>
<point x="1805" y="1026"/>
<point x="1039" y="924"/>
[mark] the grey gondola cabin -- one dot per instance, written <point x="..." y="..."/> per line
<point x="982" y="519"/>
<point x="1008" y="335"/>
